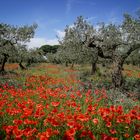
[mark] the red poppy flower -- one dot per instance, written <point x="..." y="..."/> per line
<point x="95" y="121"/>
<point x="126" y="135"/>
<point x="108" y="124"/>
<point x="71" y="132"/>
<point x="55" y="104"/>
<point x="137" y="137"/>
<point x="17" y="122"/>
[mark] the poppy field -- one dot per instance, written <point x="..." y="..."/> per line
<point x="51" y="104"/>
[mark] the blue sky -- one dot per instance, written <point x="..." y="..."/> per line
<point x="53" y="15"/>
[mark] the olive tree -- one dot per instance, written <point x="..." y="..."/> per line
<point x="34" y="56"/>
<point x="11" y="38"/>
<point x="134" y="58"/>
<point x="117" y="42"/>
<point x="72" y="49"/>
<point x="22" y="56"/>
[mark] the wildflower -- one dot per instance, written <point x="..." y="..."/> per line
<point x="17" y="122"/>
<point x="108" y="124"/>
<point x="95" y="121"/>
<point x="55" y="104"/>
<point x="126" y="135"/>
<point x="137" y="137"/>
<point x="71" y="124"/>
<point x="113" y="131"/>
<point x="71" y="132"/>
<point x="82" y="118"/>
<point x="17" y="132"/>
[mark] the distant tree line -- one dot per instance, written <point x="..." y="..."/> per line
<point x="49" y="49"/>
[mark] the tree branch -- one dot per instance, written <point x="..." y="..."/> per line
<point x="132" y="48"/>
<point x="101" y="54"/>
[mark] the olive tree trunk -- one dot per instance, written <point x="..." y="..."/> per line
<point x="117" y="77"/>
<point x="72" y="65"/>
<point x="93" y="68"/>
<point x="21" y="66"/>
<point x="94" y="62"/>
<point x="4" y="62"/>
<point x="118" y="61"/>
<point x="66" y="64"/>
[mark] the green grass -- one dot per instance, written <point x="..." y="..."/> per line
<point x="80" y="97"/>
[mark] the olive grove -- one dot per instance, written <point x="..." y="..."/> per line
<point x="82" y="42"/>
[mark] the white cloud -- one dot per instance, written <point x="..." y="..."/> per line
<point x="60" y="33"/>
<point x="97" y="27"/>
<point x="38" y="42"/>
<point x="71" y="26"/>
<point x="52" y="42"/>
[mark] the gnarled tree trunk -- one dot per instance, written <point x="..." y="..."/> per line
<point x="66" y="64"/>
<point x="94" y="62"/>
<point x="93" y="68"/>
<point x="4" y="62"/>
<point x="117" y="77"/>
<point x="72" y="65"/>
<point x="21" y="66"/>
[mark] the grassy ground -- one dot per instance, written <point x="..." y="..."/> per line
<point x="52" y="102"/>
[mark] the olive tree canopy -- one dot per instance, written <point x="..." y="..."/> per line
<point x="11" y="38"/>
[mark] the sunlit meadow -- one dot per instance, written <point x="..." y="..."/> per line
<point x="49" y="102"/>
